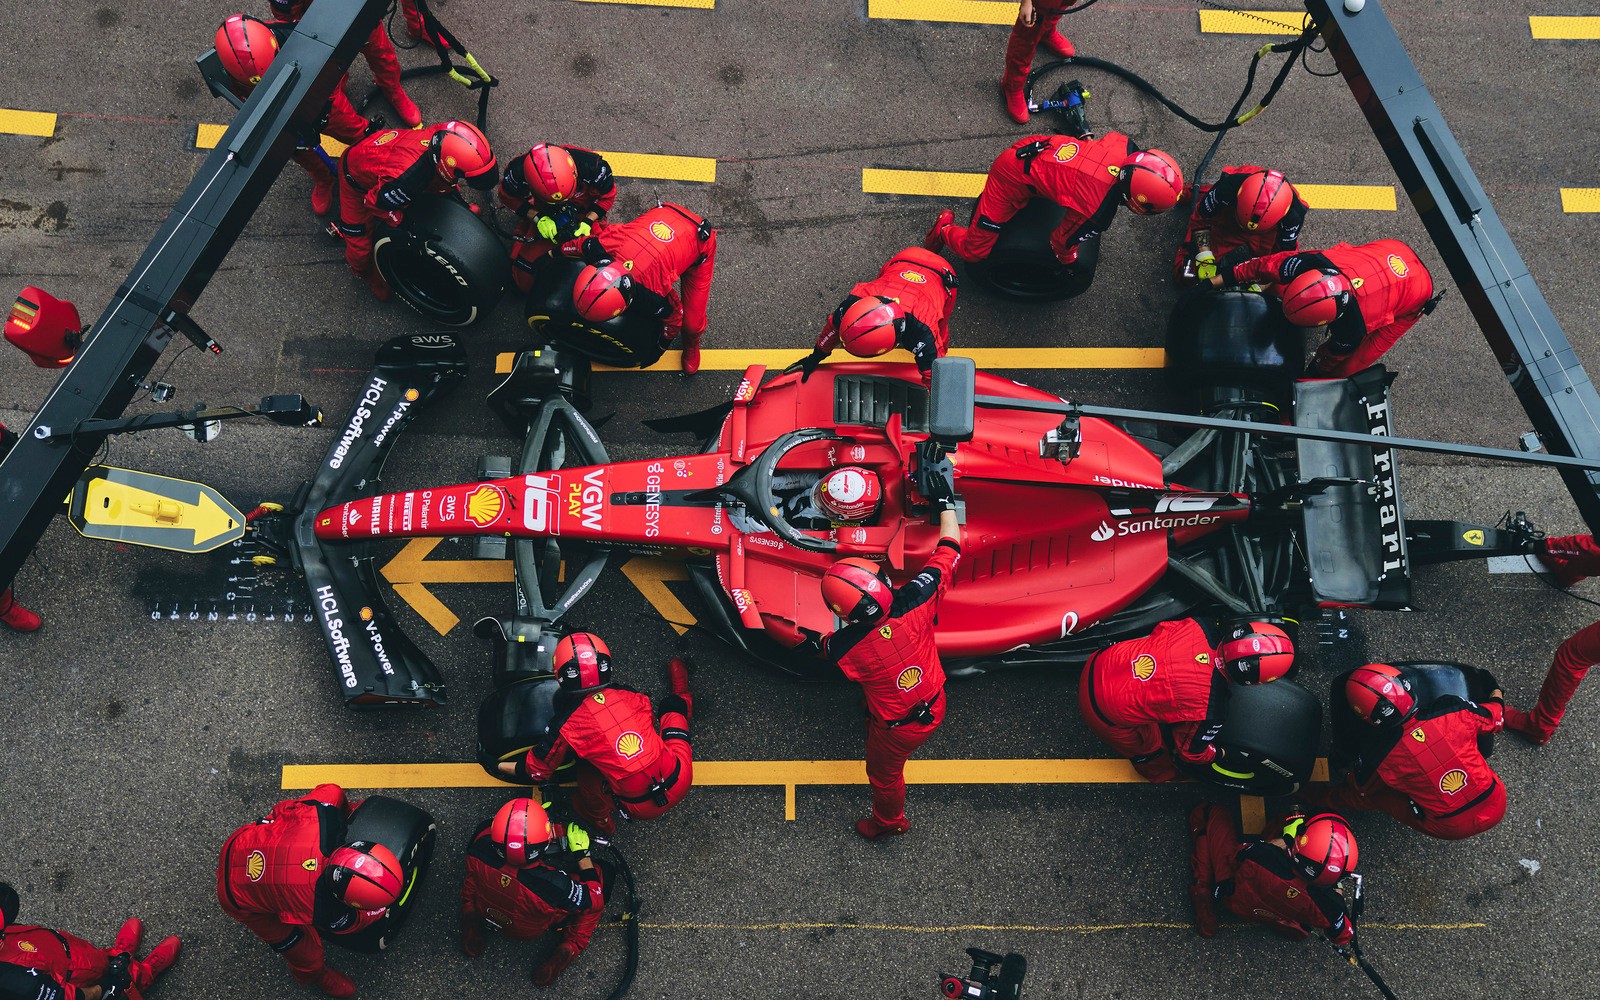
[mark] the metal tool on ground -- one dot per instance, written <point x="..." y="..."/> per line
<point x="444" y="43"/>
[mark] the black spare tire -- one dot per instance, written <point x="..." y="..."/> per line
<point x="1232" y="337"/>
<point x="412" y="835"/>
<point x="1269" y="738"/>
<point x="631" y="340"/>
<point x="444" y="261"/>
<point x="1023" y="266"/>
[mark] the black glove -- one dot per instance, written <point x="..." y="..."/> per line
<point x="114" y="984"/>
<point x="807" y="364"/>
<point x="942" y="493"/>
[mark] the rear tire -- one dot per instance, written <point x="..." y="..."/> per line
<point x="443" y="261"/>
<point x="1232" y="339"/>
<point x="1023" y="266"/>
<point x="630" y="340"/>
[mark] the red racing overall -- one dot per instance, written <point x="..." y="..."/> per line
<point x="68" y="959"/>
<point x="1130" y="690"/>
<point x="925" y="286"/>
<point x="624" y="761"/>
<point x="1392" y="291"/>
<point x="1433" y="778"/>
<point x="1572" y="557"/>
<point x="1025" y="38"/>
<point x="526" y="903"/>
<point x="378" y="177"/>
<point x="665" y="245"/>
<point x="1231" y="243"/>
<point x="1084" y="176"/>
<point x="897" y="665"/>
<point x="381" y="59"/>
<point x="268" y="872"/>
<point x="596" y="193"/>
<point x="1254" y="879"/>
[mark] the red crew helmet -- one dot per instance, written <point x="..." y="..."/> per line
<point x="855" y="592"/>
<point x="851" y="494"/>
<point x="550" y="172"/>
<point x="871" y="326"/>
<point x="1155" y="182"/>
<point x="1325" y="849"/>
<point x="1256" y="654"/>
<point x="464" y="155"/>
<point x="366" y="875"/>
<point x="1316" y="297"/>
<point x="1264" y="199"/>
<point x="521" y="831"/>
<point x="1379" y="694"/>
<point x="583" y="662"/>
<point x="246" y="47"/>
<point x="290" y="10"/>
<point x="602" y="293"/>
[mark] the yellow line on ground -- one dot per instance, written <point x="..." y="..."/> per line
<point x="1164" y="925"/>
<point x="695" y="4"/>
<point x="702" y="169"/>
<point x="928" y="183"/>
<point x="650" y="575"/>
<point x="1357" y="197"/>
<point x="27" y="122"/>
<point x="1580" y="200"/>
<point x="957" y="11"/>
<point x="207" y="136"/>
<point x="1253" y="22"/>
<point x="1017" y="358"/>
<point x="1561" y="28"/>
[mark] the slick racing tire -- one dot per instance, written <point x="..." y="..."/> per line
<point x="443" y="261"/>
<point x="511" y="718"/>
<point x="630" y="340"/>
<point x="412" y="835"/>
<point x="1270" y="734"/>
<point x="1023" y="266"/>
<point x="1229" y="338"/>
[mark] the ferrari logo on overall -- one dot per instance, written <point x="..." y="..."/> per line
<point x="1202" y="658"/>
<point x="1356" y="283"/>
<point x="599" y="697"/>
<point x="1066" y="151"/>
<point x="255" y="866"/>
<point x="1453" y="781"/>
<point x="886" y="632"/>
<point x="1418" y="735"/>
<point x="1398" y="266"/>
<point x="1473" y="537"/>
<point x="662" y="232"/>
<point x="1144" y="666"/>
<point x="484" y="504"/>
<point x="505" y="880"/>
<point x="909" y="678"/>
<point x="629" y="744"/>
<point x="915" y="277"/>
<point x="1291" y="893"/>
<point x="309" y="864"/>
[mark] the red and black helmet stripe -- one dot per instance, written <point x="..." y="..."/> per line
<point x="582" y="662"/>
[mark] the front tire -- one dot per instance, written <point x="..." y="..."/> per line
<point x="443" y="261"/>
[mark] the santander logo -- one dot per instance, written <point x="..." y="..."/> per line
<point x="1102" y="533"/>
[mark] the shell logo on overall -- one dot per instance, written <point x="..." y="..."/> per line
<point x="255" y="866"/>
<point x="1453" y="781"/>
<point x="1066" y="151"/>
<point x="915" y="277"/>
<point x="1398" y="266"/>
<point x="662" y="232"/>
<point x="386" y="138"/>
<point x="909" y="678"/>
<point x="629" y="745"/>
<point x="1144" y="666"/>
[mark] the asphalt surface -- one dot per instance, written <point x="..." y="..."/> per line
<point x="134" y="742"/>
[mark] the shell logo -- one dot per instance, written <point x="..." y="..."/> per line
<point x="1066" y="151"/>
<point x="412" y="395"/>
<point x="1418" y="735"/>
<point x="629" y="745"/>
<point x="662" y="232"/>
<point x="909" y="678"/>
<point x="26" y="946"/>
<point x="309" y="864"/>
<point x="1144" y="666"/>
<point x="485" y="504"/>
<point x="1398" y="266"/>
<point x="255" y="866"/>
<point x="1453" y="781"/>
<point x="386" y="138"/>
<point x="915" y="277"/>
<point x="366" y="614"/>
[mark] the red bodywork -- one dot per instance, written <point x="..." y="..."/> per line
<point x="1049" y="548"/>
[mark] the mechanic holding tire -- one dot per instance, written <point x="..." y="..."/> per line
<point x="512" y="888"/>
<point x="290" y="877"/>
<point x="82" y="970"/>
<point x="1249" y="212"/>
<point x="559" y="193"/>
<point x="625" y="762"/>
<point x="1178" y="677"/>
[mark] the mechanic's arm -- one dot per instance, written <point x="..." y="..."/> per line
<point x="696" y="283"/>
<point x="537" y="767"/>
<point x="393" y="196"/>
<point x="1193" y="741"/>
<point x="1274" y="268"/>
<point x="919" y="339"/>
<point x="1289" y="228"/>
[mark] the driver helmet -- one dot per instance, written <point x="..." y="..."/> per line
<point x="871" y="326"/>
<point x="602" y="293"/>
<point x="246" y="47"/>
<point x="521" y="831"/>
<point x="1379" y="694"/>
<point x="583" y="662"/>
<point x="1255" y="653"/>
<point x="9" y="905"/>
<point x="855" y="591"/>
<point x="851" y="494"/>
<point x="1316" y="297"/>
<point x="550" y="172"/>
<point x="1265" y="197"/>
<point x="366" y="875"/>
<point x="1155" y="182"/>
<point x="1324" y="850"/>
<point x="463" y="154"/>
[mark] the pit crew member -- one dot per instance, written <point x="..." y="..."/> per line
<point x="291" y="877"/>
<point x="13" y="615"/>
<point x="1286" y="882"/>
<point x="1572" y="558"/>
<point x="1424" y="765"/>
<point x="388" y="170"/>
<point x="76" y="964"/>
<point x="625" y="761"/>
<point x="558" y="193"/>
<point x="1036" y="22"/>
<point x="1249" y="212"/>
<point x="513" y="885"/>
<point x="907" y="305"/>
<point x="1177" y="677"/>
<point x="1366" y="297"/>
<point x="381" y="59"/>
<point x="634" y="265"/>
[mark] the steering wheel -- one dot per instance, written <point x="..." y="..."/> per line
<point x="751" y="488"/>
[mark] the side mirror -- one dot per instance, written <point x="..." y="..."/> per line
<point x="951" y="402"/>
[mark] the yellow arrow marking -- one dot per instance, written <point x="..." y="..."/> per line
<point x="1564" y="28"/>
<point x="211" y="520"/>
<point x="27" y="122"/>
<point x="1579" y="200"/>
<point x="650" y="574"/>
<point x="786" y="925"/>
<point x="944" y="184"/>
<point x="410" y="574"/>
<point x="955" y="11"/>
<point x="1019" y="358"/>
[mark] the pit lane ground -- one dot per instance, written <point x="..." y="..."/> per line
<point x="134" y="744"/>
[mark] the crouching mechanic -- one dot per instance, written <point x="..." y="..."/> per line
<point x="1249" y="212"/>
<point x="1366" y="297"/>
<point x="76" y="965"/>
<point x="633" y="266"/>
<point x="1572" y="558"/>
<point x="512" y="886"/>
<point x="624" y="761"/>
<point x="1424" y="765"/>
<point x="291" y="877"/>
<point x="1286" y="882"/>
<point x="1176" y="678"/>
<point x="385" y="172"/>
<point x="1086" y="176"/>
<point x="887" y="646"/>
<point x="559" y="193"/>
<point x="907" y="305"/>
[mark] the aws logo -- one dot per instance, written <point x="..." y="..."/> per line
<point x="662" y="232"/>
<point x="1066" y="151"/>
<point x="915" y="277"/>
<point x="255" y="866"/>
<point x="1398" y="266"/>
<point x="909" y="678"/>
<point x="1144" y="666"/>
<point x="1453" y="781"/>
<point x="629" y="745"/>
